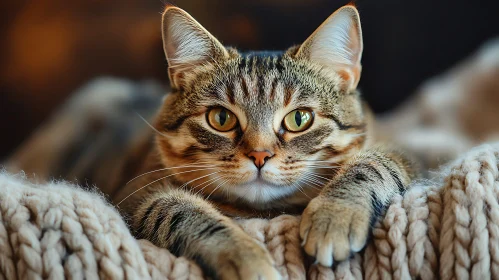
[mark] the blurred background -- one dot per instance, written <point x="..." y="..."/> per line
<point x="49" y="48"/>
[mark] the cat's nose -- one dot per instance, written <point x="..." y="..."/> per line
<point x="260" y="157"/>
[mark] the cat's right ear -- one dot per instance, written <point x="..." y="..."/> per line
<point x="337" y="45"/>
<point x="187" y="45"/>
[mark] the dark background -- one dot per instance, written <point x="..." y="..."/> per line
<point x="48" y="48"/>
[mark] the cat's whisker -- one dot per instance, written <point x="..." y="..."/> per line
<point x="311" y="186"/>
<point x="216" y="188"/>
<point x="308" y="184"/>
<point x="212" y="181"/>
<point x="297" y="186"/>
<point x="314" y="187"/>
<point x="313" y="181"/>
<point x="169" y="168"/>
<point x="312" y="175"/>
<point x="318" y="180"/>
<point x="308" y="160"/>
<point x="205" y="182"/>
<point x="195" y="179"/>
<point x="302" y="191"/>
<point x="318" y="176"/>
<point x="319" y="161"/>
<point x="150" y="125"/>
<point x="323" y="166"/>
<point x="323" y="171"/>
<point x="186" y="184"/>
<point x="157" y="180"/>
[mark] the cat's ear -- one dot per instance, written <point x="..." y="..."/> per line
<point x="187" y="44"/>
<point x="337" y="45"/>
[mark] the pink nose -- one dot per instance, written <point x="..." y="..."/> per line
<point x="260" y="157"/>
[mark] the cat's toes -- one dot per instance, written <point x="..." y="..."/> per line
<point x="248" y="262"/>
<point x="332" y="229"/>
<point x="250" y="270"/>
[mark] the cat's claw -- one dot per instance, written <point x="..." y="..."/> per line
<point x="333" y="229"/>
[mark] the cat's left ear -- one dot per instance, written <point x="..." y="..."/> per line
<point x="187" y="45"/>
<point x="337" y="45"/>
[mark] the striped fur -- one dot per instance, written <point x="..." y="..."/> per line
<point x="203" y="176"/>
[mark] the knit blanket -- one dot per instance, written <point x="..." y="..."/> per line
<point x="445" y="228"/>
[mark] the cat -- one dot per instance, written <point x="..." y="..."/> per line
<point x="259" y="134"/>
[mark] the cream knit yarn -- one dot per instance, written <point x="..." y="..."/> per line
<point x="447" y="228"/>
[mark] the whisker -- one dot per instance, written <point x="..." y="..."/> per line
<point x="323" y="166"/>
<point x="150" y="125"/>
<point x="202" y="183"/>
<point x="297" y="185"/>
<point x="313" y="181"/>
<point x="318" y="176"/>
<point x="163" y="169"/>
<point x="311" y="186"/>
<point x="310" y="175"/>
<point x="319" y="161"/>
<point x="212" y="181"/>
<point x="162" y="178"/>
<point x="219" y="186"/>
<point x="319" y="181"/>
<point x="204" y="176"/>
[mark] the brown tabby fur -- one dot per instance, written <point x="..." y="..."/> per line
<point x="331" y="169"/>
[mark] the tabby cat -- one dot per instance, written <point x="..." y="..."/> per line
<point x="258" y="134"/>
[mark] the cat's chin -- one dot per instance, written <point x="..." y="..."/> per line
<point x="261" y="192"/>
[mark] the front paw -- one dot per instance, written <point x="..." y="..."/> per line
<point x="246" y="259"/>
<point x="332" y="229"/>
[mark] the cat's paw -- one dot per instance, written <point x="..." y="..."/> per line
<point x="247" y="260"/>
<point x="332" y="229"/>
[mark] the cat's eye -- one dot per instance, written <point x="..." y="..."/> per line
<point x="298" y="120"/>
<point x="221" y="119"/>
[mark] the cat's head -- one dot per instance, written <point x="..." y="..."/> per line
<point x="260" y="126"/>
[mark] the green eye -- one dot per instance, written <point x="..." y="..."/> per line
<point x="221" y="119"/>
<point x="298" y="120"/>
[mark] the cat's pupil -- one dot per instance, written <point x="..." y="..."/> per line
<point x="298" y="118"/>
<point x="222" y="117"/>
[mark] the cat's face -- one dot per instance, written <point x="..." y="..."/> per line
<point x="260" y="126"/>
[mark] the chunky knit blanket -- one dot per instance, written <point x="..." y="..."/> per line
<point x="446" y="228"/>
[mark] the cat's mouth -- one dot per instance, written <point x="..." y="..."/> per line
<point x="260" y="190"/>
<point x="261" y="181"/>
<point x="262" y="178"/>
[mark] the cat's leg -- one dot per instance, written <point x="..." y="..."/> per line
<point x="338" y="221"/>
<point x="189" y="226"/>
